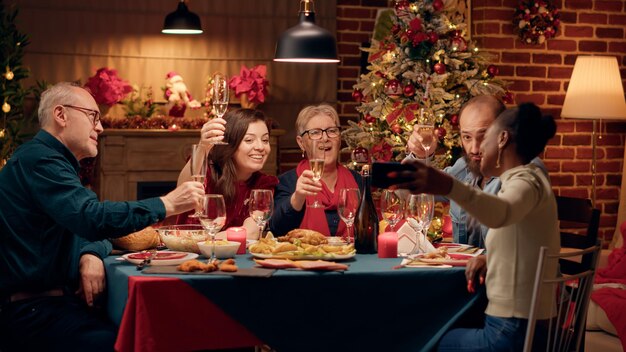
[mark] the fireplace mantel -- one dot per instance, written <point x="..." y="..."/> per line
<point x="127" y="157"/>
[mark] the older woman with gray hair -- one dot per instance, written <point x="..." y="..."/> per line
<point x="298" y="190"/>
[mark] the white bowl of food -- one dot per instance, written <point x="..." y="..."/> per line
<point x="223" y="249"/>
<point x="182" y="238"/>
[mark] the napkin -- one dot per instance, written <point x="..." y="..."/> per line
<point x="412" y="241"/>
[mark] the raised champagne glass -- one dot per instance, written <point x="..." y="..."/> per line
<point x="316" y="164"/>
<point x="220" y="99"/>
<point x="426" y="130"/>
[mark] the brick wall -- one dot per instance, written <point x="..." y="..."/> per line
<point x="539" y="74"/>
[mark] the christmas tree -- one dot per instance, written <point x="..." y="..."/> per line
<point x="425" y="63"/>
<point x="15" y="126"/>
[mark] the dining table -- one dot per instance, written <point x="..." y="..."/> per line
<point x="372" y="306"/>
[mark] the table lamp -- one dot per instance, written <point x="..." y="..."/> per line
<point x="595" y="92"/>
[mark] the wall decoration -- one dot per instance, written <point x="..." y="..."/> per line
<point x="536" y="21"/>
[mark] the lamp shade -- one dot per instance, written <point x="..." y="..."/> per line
<point x="182" y="21"/>
<point x="306" y="42"/>
<point x="595" y="90"/>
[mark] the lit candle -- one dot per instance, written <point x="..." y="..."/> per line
<point x="174" y="127"/>
<point x="238" y="234"/>
<point x="388" y="245"/>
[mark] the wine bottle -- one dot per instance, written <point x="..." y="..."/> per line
<point x="366" y="220"/>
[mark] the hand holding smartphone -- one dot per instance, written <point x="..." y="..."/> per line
<point x="380" y="173"/>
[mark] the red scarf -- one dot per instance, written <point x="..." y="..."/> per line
<point x="315" y="218"/>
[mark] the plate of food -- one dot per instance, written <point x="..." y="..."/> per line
<point x="300" y="244"/>
<point x="453" y="259"/>
<point x="160" y="257"/>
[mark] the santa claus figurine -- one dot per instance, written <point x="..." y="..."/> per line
<point x="177" y="95"/>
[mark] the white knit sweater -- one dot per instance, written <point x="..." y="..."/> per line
<point x="522" y="217"/>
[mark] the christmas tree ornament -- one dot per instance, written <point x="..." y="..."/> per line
<point x="408" y="90"/>
<point x="369" y="119"/>
<point x="357" y="95"/>
<point x="440" y="132"/>
<point x="437" y="5"/>
<point x="392" y="88"/>
<point x="360" y="155"/>
<point x="440" y="68"/>
<point x="6" y="107"/>
<point x="493" y="70"/>
<point x="396" y="128"/>
<point x="402" y="5"/>
<point x="458" y="43"/>
<point x="433" y="37"/>
<point x="9" y="74"/>
<point x="508" y="98"/>
<point x="454" y="120"/>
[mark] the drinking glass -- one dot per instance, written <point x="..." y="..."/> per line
<point x="391" y="206"/>
<point x="260" y="207"/>
<point x="316" y="163"/>
<point x="426" y="129"/>
<point x="349" y="199"/>
<point x="420" y="209"/>
<point x="213" y="217"/>
<point x="220" y="98"/>
<point x="198" y="169"/>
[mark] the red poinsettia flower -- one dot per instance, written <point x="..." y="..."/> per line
<point x="251" y="82"/>
<point x="107" y="88"/>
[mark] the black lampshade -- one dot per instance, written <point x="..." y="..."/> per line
<point x="182" y="21"/>
<point x="306" y="42"/>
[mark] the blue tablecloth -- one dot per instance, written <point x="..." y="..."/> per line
<point x="370" y="307"/>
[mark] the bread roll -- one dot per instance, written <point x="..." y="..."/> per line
<point x="138" y="241"/>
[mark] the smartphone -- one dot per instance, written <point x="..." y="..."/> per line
<point x="381" y="170"/>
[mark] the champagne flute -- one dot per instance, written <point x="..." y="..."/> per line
<point x="420" y="209"/>
<point x="220" y="99"/>
<point x="213" y="217"/>
<point x="260" y="207"/>
<point x="198" y="169"/>
<point x="391" y="206"/>
<point x="348" y="204"/>
<point x="316" y="164"/>
<point x="426" y="130"/>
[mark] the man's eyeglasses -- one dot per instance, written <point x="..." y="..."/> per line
<point x="316" y="133"/>
<point x="94" y="115"/>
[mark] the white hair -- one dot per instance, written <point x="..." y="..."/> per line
<point x="59" y="94"/>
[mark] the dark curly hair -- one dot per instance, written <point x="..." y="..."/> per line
<point x="529" y="129"/>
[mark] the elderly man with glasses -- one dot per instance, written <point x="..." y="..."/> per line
<point x="50" y="225"/>
<point x="298" y="194"/>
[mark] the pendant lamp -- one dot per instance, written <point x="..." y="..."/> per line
<point x="306" y="42"/>
<point x="182" y="21"/>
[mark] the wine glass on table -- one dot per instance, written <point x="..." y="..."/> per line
<point x="198" y="169"/>
<point x="426" y="130"/>
<point x="316" y="164"/>
<point x="420" y="209"/>
<point x="348" y="204"/>
<point x="213" y="217"/>
<point x="391" y="207"/>
<point x="220" y="99"/>
<point x="260" y="207"/>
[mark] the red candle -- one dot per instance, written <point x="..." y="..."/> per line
<point x="388" y="245"/>
<point x="238" y="234"/>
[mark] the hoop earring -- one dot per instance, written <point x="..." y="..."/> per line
<point x="499" y="156"/>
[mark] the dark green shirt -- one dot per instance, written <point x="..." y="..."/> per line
<point x="47" y="217"/>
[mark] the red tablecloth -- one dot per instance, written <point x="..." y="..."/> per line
<point x="172" y="326"/>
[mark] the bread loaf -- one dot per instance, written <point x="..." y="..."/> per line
<point x="138" y="241"/>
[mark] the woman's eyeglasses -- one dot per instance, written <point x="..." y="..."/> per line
<point x="94" y="115"/>
<point x="316" y="133"/>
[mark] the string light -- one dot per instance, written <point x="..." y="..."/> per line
<point x="6" y="107"/>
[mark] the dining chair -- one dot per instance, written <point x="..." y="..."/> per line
<point x="579" y="222"/>
<point x="564" y="332"/>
